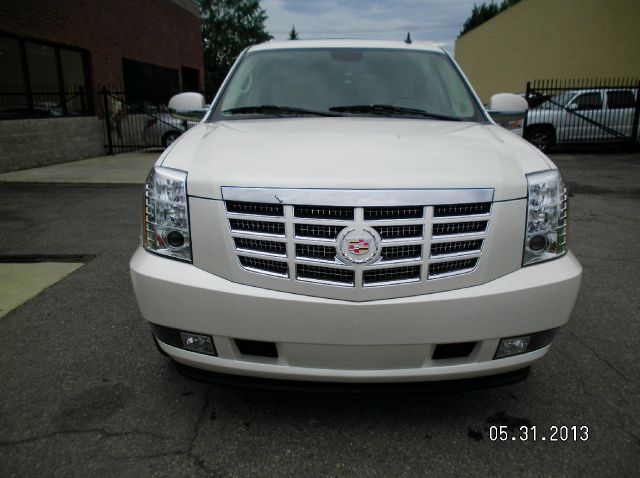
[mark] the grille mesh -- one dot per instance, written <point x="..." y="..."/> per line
<point x="270" y="247"/>
<point x="324" y="212"/>
<point x="318" y="231"/>
<point x="450" y="210"/>
<point x="391" y="213"/>
<point x="448" y="228"/>
<point x="441" y="268"/>
<point x="261" y="227"/>
<point x="316" y="251"/>
<point x="442" y="248"/>
<point x="400" y="232"/>
<point x="265" y="265"/>
<point x="325" y="274"/>
<point x="394" y="274"/>
<point x="395" y="253"/>
<point x="255" y="208"/>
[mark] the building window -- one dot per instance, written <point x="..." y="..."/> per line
<point x="148" y="85"/>
<point x="42" y="80"/>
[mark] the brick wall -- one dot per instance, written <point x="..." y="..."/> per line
<point x="39" y="142"/>
<point x="161" y="32"/>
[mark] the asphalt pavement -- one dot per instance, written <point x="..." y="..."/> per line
<point x="85" y="393"/>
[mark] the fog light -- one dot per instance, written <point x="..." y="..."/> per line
<point x="513" y="346"/>
<point x="198" y="343"/>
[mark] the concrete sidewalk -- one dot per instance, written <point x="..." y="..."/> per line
<point x="127" y="168"/>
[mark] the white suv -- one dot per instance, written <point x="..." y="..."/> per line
<point x="347" y="211"/>
<point x="582" y="116"/>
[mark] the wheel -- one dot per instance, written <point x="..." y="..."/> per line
<point x="169" y="137"/>
<point x="542" y="137"/>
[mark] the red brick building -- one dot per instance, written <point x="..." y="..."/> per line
<point x="56" y="55"/>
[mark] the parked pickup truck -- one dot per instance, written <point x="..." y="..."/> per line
<point x="348" y="211"/>
<point x="582" y="116"/>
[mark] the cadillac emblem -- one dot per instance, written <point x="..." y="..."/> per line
<point x="359" y="245"/>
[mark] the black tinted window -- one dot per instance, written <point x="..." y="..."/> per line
<point x="589" y="101"/>
<point x="620" y="99"/>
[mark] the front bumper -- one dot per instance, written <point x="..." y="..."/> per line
<point x="333" y="340"/>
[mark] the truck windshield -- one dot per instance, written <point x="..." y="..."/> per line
<point x="347" y="82"/>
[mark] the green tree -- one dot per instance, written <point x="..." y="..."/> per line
<point x="228" y="27"/>
<point x="293" y="34"/>
<point x="483" y="13"/>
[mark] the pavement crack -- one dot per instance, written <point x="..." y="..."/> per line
<point x="95" y="431"/>
<point x="196" y="431"/>
<point x="596" y="354"/>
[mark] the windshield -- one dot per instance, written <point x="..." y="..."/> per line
<point x="347" y="82"/>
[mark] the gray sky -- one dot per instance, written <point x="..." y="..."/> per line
<point x="439" y="21"/>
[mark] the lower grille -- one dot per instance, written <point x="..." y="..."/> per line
<point x="391" y="275"/>
<point x="441" y="269"/>
<point x="265" y="266"/>
<point x="325" y="274"/>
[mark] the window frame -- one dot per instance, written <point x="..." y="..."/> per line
<point x="62" y="91"/>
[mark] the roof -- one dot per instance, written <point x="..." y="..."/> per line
<point x="395" y="45"/>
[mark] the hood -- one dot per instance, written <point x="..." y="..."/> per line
<point x="353" y="153"/>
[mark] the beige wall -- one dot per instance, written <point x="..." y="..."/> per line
<point x="562" y="39"/>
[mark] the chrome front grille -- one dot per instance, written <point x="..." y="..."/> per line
<point x="307" y="243"/>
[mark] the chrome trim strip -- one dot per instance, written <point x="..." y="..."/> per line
<point x="260" y="253"/>
<point x="387" y="283"/>
<point x="357" y="197"/>
<point x="262" y="271"/>
<point x="324" y="282"/>
<point x="453" y="273"/>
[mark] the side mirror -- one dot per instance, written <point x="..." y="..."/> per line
<point x="188" y="106"/>
<point x="507" y="107"/>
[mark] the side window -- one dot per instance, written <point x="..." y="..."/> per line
<point x="620" y="99"/>
<point x="589" y="101"/>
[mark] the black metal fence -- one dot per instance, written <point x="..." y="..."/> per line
<point x="139" y="124"/>
<point x="44" y="102"/>
<point x="585" y="111"/>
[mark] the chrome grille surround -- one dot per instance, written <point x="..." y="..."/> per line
<point x="415" y="246"/>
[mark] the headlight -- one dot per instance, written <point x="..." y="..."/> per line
<point x="166" y="214"/>
<point x="546" y="234"/>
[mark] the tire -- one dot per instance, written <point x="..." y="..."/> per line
<point x="169" y="137"/>
<point x="542" y="137"/>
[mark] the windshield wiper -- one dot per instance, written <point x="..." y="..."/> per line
<point x="390" y="110"/>
<point x="276" y="110"/>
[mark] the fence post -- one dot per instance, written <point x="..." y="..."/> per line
<point x="526" y="115"/>
<point x="82" y="101"/>
<point x="636" y="118"/>
<point x="107" y="119"/>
